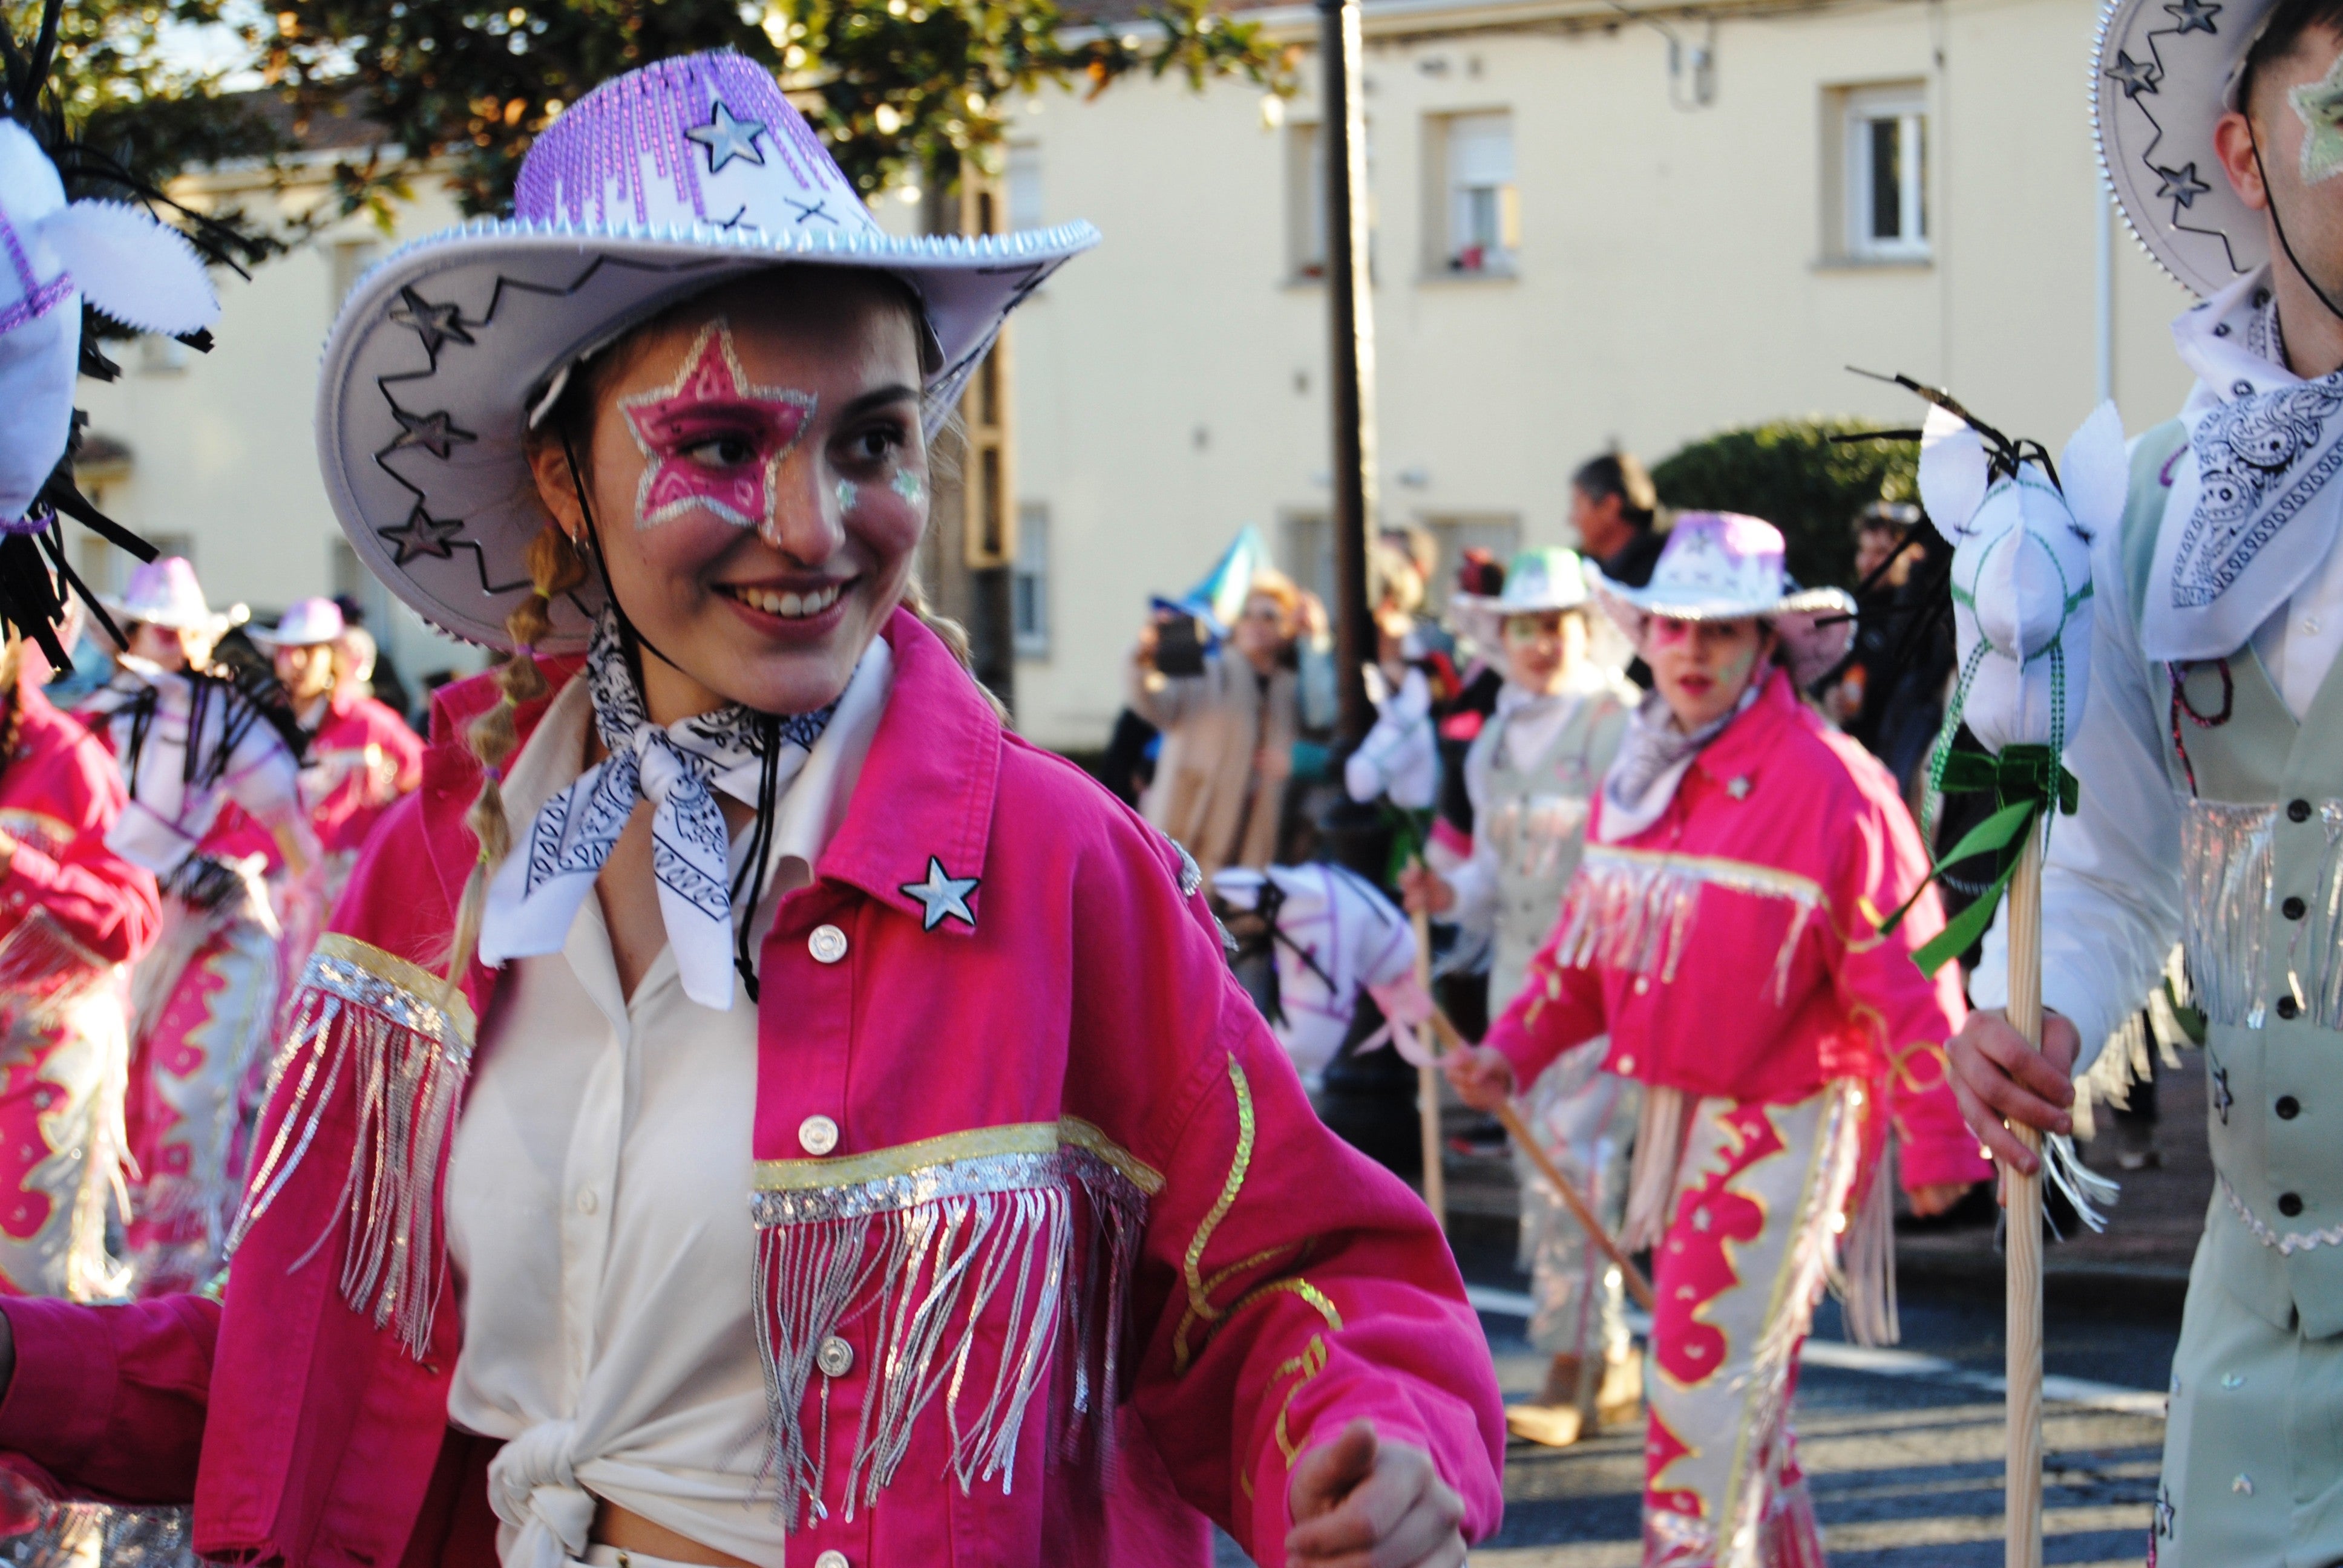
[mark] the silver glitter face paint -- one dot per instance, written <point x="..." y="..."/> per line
<point x="2320" y="107"/>
<point x="907" y="485"/>
<point x="846" y="494"/>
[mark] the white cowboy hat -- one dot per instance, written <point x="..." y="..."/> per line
<point x="2163" y="73"/>
<point x="307" y="623"/>
<point x="1725" y="566"/>
<point x="1546" y="578"/>
<point x="166" y="593"/>
<point x="656" y="185"/>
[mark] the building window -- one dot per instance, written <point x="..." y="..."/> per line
<point x="1480" y="217"/>
<point x="1023" y="178"/>
<point x="1305" y="185"/>
<point x="1305" y="199"/>
<point x="1885" y="132"/>
<point x="1029" y="583"/>
<point x="1307" y="549"/>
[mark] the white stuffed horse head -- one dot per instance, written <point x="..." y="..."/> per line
<point x="53" y="254"/>
<point x="1334" y="935"/>
<point x="2022" y="568"/>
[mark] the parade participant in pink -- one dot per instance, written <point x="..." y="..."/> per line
<point x="1723" y="927"/>
<point x="73" y="915"/>
<point x="362" y="757"/>
<point x="211" y="793"/>
<point x="844" y="1140"/>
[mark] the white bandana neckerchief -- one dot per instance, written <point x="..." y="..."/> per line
<point x="1653" y="756"/>
<point x="535" y="894"/>
<point x="2254" y="504"/>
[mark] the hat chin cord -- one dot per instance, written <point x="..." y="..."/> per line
<point x="2279" y="224"/>
<point x="750" y="881"/>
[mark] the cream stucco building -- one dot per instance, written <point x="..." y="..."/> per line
<point x="1574" y="244"/>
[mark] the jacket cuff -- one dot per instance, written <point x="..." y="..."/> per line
<point x="29" y="870"/>
<point x="61" y="1394"/>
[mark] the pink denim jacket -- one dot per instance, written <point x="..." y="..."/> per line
<point x="1732" y="948"/>
<point x="1235" y="1284"/>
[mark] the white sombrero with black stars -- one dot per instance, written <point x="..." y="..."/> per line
<point x="655" y="187"/>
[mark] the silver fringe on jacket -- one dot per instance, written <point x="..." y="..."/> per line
<point x="2228" y="870"/>
<point x="1632" y="909"/>
<point x="404" y="1038"/>
<point x="922" y="1242"/>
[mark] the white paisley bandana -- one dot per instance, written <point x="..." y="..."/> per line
<point x="535" y="894"/>
<point x="2252" y="511"/>
<point x="1653" y="757"/>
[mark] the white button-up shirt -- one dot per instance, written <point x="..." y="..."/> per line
<point x="597" y="1205"/>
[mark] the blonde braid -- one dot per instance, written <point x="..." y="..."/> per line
<point x="554" y="569"/>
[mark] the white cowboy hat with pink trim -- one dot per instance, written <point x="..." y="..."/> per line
<point x="166" y="593"/>
<point x="1727" y="566"/>
<point x="657" y="186"/>
<point x="305" y="624"/>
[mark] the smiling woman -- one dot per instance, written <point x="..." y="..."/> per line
<point x="846" y="1143"/>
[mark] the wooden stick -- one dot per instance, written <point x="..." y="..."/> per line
<point x="1427" y="1085"/>
<point x="1637" y="1286"/>
<point x="2023" y="1237"/>
<point x="1509" y="1115"/>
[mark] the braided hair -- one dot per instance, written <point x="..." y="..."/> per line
<point x="554" y="569"/>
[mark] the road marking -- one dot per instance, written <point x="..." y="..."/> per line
<point x="1882" y="1361"/>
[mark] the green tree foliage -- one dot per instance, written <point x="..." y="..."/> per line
<point x="117" y="89"/>
<point x="1791" y="474"/>
<point x="910" y="89"/>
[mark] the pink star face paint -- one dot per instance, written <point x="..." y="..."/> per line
<point x="712" y="441"/>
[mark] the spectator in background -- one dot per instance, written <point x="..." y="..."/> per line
<point x="1615" y="512"/>
<point x="1890" y="698"/>
<point x="1228" y="727"/>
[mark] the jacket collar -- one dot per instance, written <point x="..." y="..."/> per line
<point x="927" y="788"/>
<point x="1740" y="751"/>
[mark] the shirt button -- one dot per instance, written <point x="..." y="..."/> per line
<point x="2297" y="811"/>
<point x="587" y="1202"/>
<point x="826" y="944"/>
<point x="2294" y="908"/>
<point x="2286" y="1008"/>
<point x="817" y="1135"/>
<point x="2288" y="1108"/>
<point x="836" y="1357"/>
<point x="1643" y="984"/>
<point x="830" y="1560"/>
<point x="2289" y="1204"/>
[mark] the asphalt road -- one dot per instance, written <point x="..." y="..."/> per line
<point x="1903" y="1448"/>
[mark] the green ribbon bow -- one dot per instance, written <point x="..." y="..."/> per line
<point x="2025" y="779"/>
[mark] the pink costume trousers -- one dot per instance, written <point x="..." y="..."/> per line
<point x="205" y="1005"/>
<point x="1761" y="1202"/>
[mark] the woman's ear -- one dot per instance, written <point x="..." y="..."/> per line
<point x="557" y="483"/>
